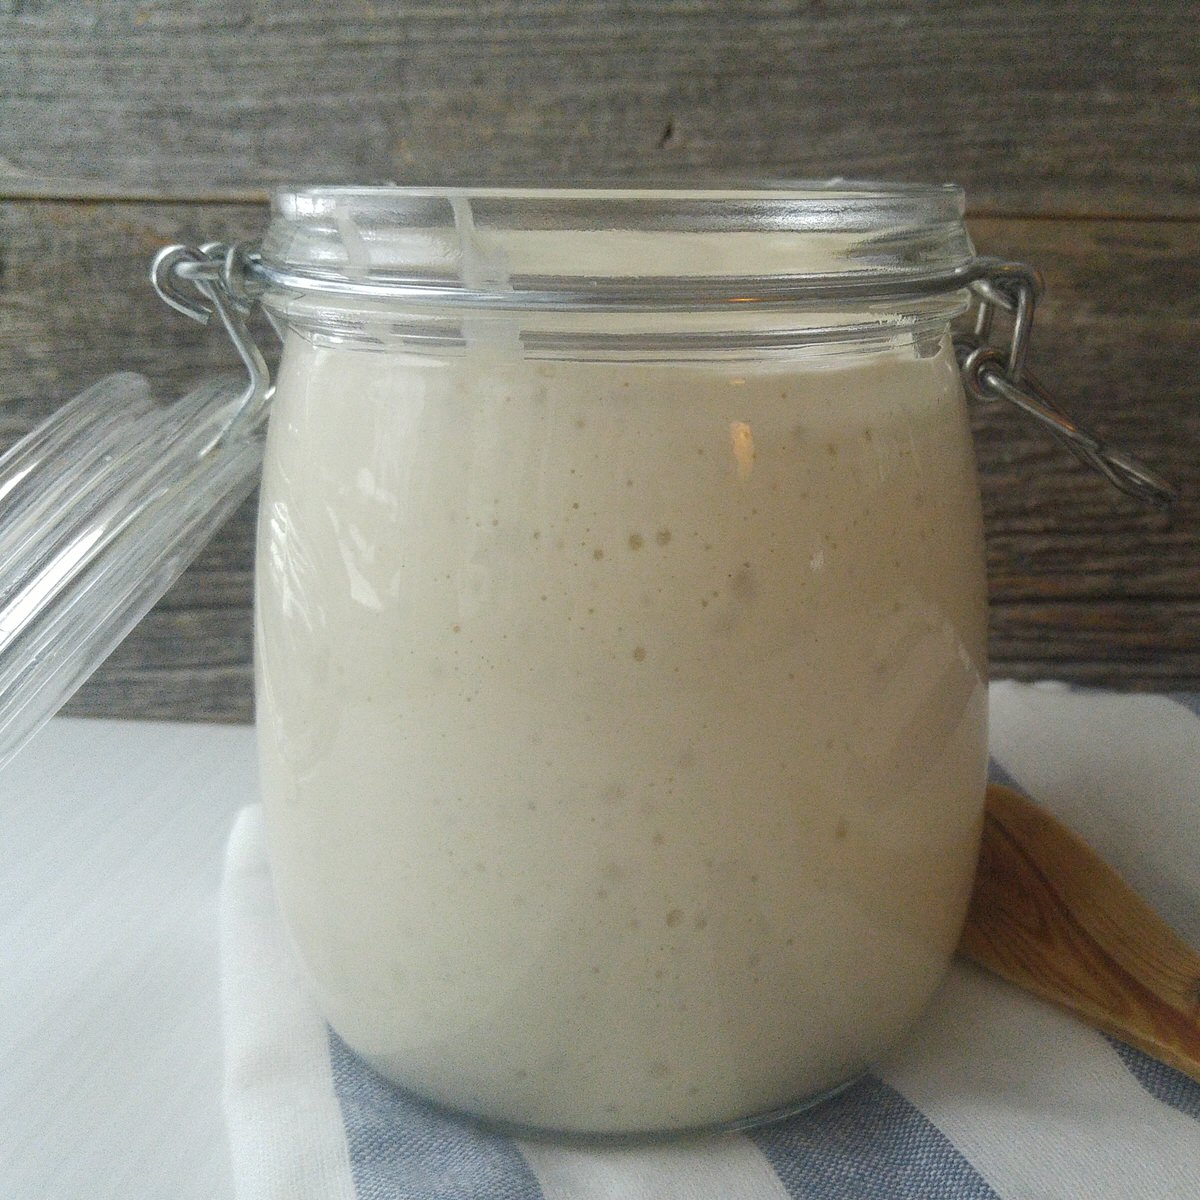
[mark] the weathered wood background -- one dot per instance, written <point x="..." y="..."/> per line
<point x="1074" y="126"/>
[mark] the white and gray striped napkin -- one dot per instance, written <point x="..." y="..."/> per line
<point x="995" y="1094"/>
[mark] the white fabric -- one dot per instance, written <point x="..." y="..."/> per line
<point x="110" y="1039"/>
<point x="286" y="1133"/>
<point x="718" y="1168"/>
<point x="1038" y="1102"/>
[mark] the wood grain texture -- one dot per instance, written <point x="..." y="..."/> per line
<point x="1050" y="916"/>
<point x="1085" y="584"/>
<point x="1063" y="106"/>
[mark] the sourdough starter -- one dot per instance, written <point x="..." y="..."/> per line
<point x="623" y="723"/>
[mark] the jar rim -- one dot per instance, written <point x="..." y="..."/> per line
<point x="807" y="243"/>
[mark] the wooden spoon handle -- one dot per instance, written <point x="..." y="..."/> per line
<point x="1049" y="915"/>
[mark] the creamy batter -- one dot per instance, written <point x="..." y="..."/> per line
<point x="622" y="723"/>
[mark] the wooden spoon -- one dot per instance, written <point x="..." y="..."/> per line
<point x="1052" y="917"/>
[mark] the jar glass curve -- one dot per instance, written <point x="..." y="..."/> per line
<point x="621" y="681"/>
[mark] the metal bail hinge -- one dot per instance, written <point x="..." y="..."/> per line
<point x="217" y="277"/>
<point x="992" y="372"/>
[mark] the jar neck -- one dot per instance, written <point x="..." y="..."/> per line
<point x="618" y="249"/>
<point x="735" y="329"/>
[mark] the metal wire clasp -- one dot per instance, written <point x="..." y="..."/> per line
<point x="198" y="281"/>
<point x="992" y="372"/>
<point x="222" y="278"/>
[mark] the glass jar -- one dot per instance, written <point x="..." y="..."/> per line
<point x="620" y="639"/>
<point x="620" y="619"/>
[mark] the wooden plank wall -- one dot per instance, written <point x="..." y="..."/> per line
<point x="125" y="125"/>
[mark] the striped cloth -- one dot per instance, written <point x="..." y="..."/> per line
<point x="995" y="1094"/>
